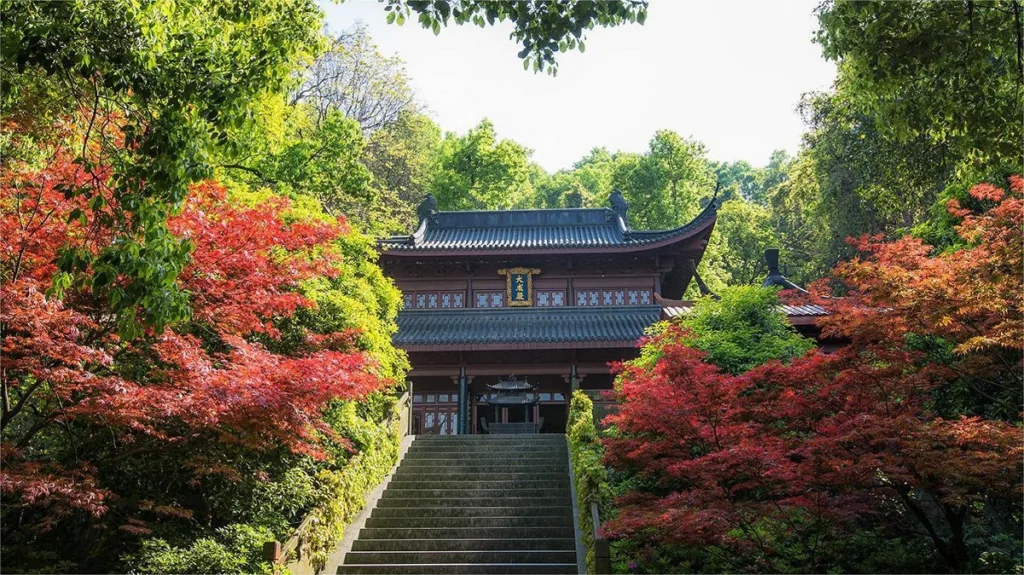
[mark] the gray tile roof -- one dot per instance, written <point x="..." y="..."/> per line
<point x="683" y="308"/>
<point x="508" y="326"/>
<point x="570" y="228"/>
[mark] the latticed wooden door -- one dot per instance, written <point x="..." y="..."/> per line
<point x="435" y="413"/>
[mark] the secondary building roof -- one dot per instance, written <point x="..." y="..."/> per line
<point x="505" y="328"/>
<point x="797" y="314"/>
<point x="575" y="230"/>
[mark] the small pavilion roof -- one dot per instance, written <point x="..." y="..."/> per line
<point x="511" y="399"/>
<point x="575" y="230"/>
<point x="503" y="328"/>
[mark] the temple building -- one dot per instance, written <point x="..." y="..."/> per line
<point x="533" y="300"/>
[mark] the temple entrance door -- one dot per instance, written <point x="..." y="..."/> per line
<point x="435" y="413"/>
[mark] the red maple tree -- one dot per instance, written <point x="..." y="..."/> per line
<point x="768" y="467"/>
<point x="67" y="378"/>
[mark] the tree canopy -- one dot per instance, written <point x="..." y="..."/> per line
<point x="542" y="28"/>
<point x="197" y="339"/>
<point x="860" y="459"/>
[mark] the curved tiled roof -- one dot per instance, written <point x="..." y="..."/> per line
<point x="510" y="326"/>
<point x="678" y="309"/>
<point x="540" y="230"/>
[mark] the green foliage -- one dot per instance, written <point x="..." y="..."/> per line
<point x="402" y="158"/>
<point x="176" y="80"/>
<point x="741" y="180"/>
<point x="323" y="161"/>
<point x="479" y="172"/>
<point x="361" y="298"/>
<point x="665" y="186"/>
<point x="231" y="549"/>
<point x="324" y="497"/>
<point x="743" y="329"/>
<point x="543" y="28"/>
<point x="948" y="72"/>
<point x="735" y="254"/>
<point x="800" y="223"/>
<point x="588" y="183"/>
<point x="591" y="478"/>
<point x="340" y="493"/>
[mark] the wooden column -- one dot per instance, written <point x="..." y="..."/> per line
<point x="463" y="397"/>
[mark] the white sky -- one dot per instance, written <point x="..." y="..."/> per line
<point x="728" y="73"/>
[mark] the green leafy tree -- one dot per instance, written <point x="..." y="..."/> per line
<point x="173" y="81"/>
<point x="776" y="172"/>
<point x="951" y="73"/>
<point x="742" y="233"/>
<point x="402" y="158"/>
<point x="479" y="172"/>
<point x="542" y="28"/>
<point x="664" y="186"/>
<point x="738" y="180"/>
<point x="594" y="172"/>
<point x="743" y="329"/>
<point x="590" y="178"/>
<point x="321" y="159"/>
<point x="800" y="224"/>
<point x="850" y="179"/>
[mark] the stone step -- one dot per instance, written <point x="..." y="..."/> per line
<point x="458" y="501"/>
<point x="425" y="475"/>
<point x="472" y="504"/>
<point x="461" y="484"/>
<point x="518" y="438"/>
<point x="461" y="569"/>
<point x="466" y="533"/>
<point x="468" y="522"/>
<point x="485" y="456"/>
<point x="492" y="438"/>
<point x="486" y="447"/>
<point x="562" y="544"/>
<point x="472" y="493"/>
<point x="416" y="467"/>
<point x="520" y="511"/>
<point x="447" y="557"/>
<point x="429" y="453"/>
<point x="473" y="462"/>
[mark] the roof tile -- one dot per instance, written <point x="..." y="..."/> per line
<point x="579" y="228"/>
<point x="512" y="326"/>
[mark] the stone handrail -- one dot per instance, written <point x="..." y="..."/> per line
<point x="290" y="551"/>
<point x="602" y="549"/>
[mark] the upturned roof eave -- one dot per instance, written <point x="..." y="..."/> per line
<point x="668" y="238"/>
<point x="616" y="344"/>
<point x="634" y="241"/>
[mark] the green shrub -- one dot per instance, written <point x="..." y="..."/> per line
<point x="744" y="329"/>
<point x="591" y="478"/>
<point x="256" y="511"/>
<point x="340" y="493"/>
<point x="231" y="549"/>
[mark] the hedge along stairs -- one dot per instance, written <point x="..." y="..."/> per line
<point x="472" y="504"/>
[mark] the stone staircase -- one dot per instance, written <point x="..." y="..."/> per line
<point x="472" y="504"/>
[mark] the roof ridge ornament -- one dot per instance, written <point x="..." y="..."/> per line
<point x="619" y="204"/>
<point x="775" y="277"/>
<point x="427" y="208"/>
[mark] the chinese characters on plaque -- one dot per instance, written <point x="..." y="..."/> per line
<point x="519" y="285"/>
